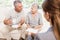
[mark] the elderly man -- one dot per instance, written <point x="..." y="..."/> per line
<point x="15" y="20"/>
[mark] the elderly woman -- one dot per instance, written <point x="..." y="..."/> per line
<point x="34" y="21"/>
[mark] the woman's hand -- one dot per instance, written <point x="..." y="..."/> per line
<point x="38" y="27"/>
<point x="28" y="26"/>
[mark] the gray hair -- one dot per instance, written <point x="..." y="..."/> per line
<point x="17" y="1"/>
<point x="35" y="4"/>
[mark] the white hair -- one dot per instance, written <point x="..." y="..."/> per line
<point x="35" y="4"/>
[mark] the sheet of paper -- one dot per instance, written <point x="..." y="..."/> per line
<point x="32" y="30"/>
<point x="14" y="26"/>
<point x="14" y="21"/>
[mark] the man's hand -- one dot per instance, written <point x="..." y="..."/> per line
<point x="22" y="21"/>
<point x="7" y="21"/>
<point x="19" y="25"/>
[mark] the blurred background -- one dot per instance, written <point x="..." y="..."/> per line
<point x="26" y="3"/>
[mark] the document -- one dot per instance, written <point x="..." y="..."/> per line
<point x="32" y="30"/>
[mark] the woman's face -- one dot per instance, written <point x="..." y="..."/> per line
<point x="34" y="9"/>
<point x="46" y="15"/>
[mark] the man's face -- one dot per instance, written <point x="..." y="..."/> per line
<point x="34" y="9"/>
<point x="18" y="7"/>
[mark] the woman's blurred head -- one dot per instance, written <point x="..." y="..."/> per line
<point x="34" y="8"/>
<point x="52" y="12"/>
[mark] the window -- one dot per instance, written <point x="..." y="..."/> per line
<point x="26" y="3"/>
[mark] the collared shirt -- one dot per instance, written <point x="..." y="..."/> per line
<point x="34" y="21"/>
<point x="15" y="16"/>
